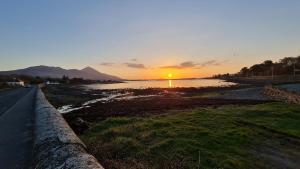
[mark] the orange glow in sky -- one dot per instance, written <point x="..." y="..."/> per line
<point x="140" y="40"/>
<point x="156" y="72"/>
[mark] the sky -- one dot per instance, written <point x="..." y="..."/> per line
<point x="148" y="39"/>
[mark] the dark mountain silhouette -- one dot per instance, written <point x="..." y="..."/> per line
<point x="57" y="72"/>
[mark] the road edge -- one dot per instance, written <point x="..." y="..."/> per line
<point x="56" y="146"/>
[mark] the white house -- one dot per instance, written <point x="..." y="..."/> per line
<point x="15" y="82"/>
<point x="52" y="83"/>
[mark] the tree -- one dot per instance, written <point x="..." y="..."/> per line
<point x="287" y="61"/>
<point x="285" y="66"/>
<point x="268" y="63"/>
<point x="244" y="71"/>
<point x="257" y="70"/>
<point x="65" y="79"/>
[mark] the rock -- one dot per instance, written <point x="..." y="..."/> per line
<point x="80" y="125"/>
<point x="281" y="95"/>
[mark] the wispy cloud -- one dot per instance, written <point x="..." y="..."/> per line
<point x="188" y="64"/>
<point x="183" y="65"/>
<point x="106" y="64"/>
<point x="171" y="67"/>
<point x="194" y="65"/>
<point x="135" y="65"/>
<point x="134" y="60"/>
<point x="212" y="63"/>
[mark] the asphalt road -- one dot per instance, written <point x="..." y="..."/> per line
<point x="10" y="97"/>
<point x="16" y="128"/>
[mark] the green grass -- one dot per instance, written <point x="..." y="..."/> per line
<point x="174" y="140"/>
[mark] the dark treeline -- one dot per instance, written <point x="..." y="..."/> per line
<point x="39" y="80"/>
<point x="285" y="66"/>
<point x="25" y="78"/>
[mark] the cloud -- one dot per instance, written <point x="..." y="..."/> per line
<point x="194" y="65"/>
<point x="106" y="64"/>
<point x="170" y="67"/>
<point x="135" y="65"/>
<point x="134" y="60"/>
<point x="188" y="64"/>
<point x="212" y="63"/>
<point x="183" y="65"/>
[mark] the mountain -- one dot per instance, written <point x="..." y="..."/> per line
<point x="57" y="72"/>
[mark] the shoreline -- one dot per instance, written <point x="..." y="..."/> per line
<point x="117" y="129"/>
<point x="92" y="105"/>
<point x="262" y="81"/>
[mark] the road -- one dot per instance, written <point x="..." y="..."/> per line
<point x="16" y="128"/>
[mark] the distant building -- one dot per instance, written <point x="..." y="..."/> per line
<point x="15" y="82"/>
<point x="52" y="83"/>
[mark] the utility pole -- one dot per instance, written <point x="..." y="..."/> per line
<point x="272" y="68"/>
<point x="294" y="70"/>
<point x="293" y="62"/>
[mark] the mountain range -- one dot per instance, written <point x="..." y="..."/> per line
<point x="58" y="72"/>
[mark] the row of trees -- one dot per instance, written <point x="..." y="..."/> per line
<point x="25" y="78"/>
<point x="66" y="79"/>
<point x="39" y="80"/>
<point x="285" y="66"/>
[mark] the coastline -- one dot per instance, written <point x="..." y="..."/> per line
<point x="118" y="124"/>
<point x="96" y="105"/>
<point x="263" y="80"/>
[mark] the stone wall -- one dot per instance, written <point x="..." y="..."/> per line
<point x="56" y="146"/>
<point x="278" y="94"/>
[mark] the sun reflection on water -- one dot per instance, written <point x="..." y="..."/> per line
<point x="170" y="83"/>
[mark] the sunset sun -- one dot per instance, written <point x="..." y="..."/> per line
<point x="170" y="75"/>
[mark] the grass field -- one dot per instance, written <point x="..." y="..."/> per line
<point x="256" y="136"/>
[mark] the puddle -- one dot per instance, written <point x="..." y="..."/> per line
<point x="107" y="98"/>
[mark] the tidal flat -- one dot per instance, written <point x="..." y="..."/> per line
<point x="183" y="127"/>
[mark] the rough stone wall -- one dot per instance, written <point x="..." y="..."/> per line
<point x="281" y="95"/>
<point x="56" y="146"/>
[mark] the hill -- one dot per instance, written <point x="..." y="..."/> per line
<point x="57" y="72"/>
